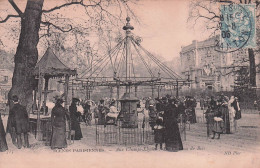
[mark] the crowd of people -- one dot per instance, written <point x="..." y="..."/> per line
<point x="163" y="114"/>
<point x="223" y="112"/>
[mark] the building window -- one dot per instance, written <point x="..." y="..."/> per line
<point x="209" y="53"/>
<point x="188" y="57"/>
<point x="6" y="78"/>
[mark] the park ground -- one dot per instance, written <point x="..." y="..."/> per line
<point x="240" y="148"/>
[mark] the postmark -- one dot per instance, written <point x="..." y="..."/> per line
<point x="237" y="26"/>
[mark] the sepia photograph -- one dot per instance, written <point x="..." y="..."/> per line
<point x="130" y="83"/>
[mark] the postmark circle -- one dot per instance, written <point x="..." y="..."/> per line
<point x="236" y="26"/>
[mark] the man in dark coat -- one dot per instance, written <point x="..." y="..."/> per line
<point x="21" y="123"/>
<point x="74" y="116"/>
<point x="10" y="126"/>
<point x="3" y="144"/>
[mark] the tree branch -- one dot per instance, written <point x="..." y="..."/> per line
<point x="69" y="4"/>
<point x="210" y="12"/>
<point x="57" y="27"/>
<point x="15" y="7"/>
<point x="9" y="16"/>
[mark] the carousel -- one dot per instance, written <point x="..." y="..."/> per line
<point x="129" y="69"/>
<point x="49" y="67"/>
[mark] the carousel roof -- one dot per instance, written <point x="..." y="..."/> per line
<point x="129" y="97"/>
<point x="50" y="65"/>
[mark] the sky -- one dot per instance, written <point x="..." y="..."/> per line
<point x="163" y="26"/>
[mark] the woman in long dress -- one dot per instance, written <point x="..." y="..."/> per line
<point x="3" y="144"/>
<point x="58" y="120"/>
<point x="223" y="109"/>
<point x="172" y="134"/>
<point x="232" y="113"/>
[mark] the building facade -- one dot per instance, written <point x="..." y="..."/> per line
<point x="5" y="84"/>
<point x="207" y="68"/>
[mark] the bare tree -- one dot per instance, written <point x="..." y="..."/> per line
<point x="37" y="22"/>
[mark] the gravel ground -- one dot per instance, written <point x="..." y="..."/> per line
<point x="240" y="149"/>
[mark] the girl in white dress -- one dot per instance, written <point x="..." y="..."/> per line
<point x="232" y="113"/>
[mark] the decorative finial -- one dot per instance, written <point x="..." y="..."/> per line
<point x="128" y="27"/>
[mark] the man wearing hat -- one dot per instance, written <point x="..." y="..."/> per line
<point x="20" y="123"/>
<point x="74" y="116"/>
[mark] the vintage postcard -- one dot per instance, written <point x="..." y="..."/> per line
<point x="130" y="83"/>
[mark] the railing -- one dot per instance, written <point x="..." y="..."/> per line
<point x="114" y="134"/>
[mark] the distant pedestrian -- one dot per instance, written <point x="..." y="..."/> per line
<point x="255" y="105"/>
<point x="20" y="123"/>
<point x="159" y="133"/>
<point x="74" y="116"/>
<point x="3" y="144"/>
<point x="100" y="112"/>
<point x="87" y="117"/>
<point x="232" y="105"/>
<point x="111" y="117"/>
<point x="218" y="125"/>
<point x="10" y="128"/>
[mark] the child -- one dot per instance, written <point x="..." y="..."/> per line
<point x="159" y="133"/>
<point x="218" y="126"/>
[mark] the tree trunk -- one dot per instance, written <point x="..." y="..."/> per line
<point x="26" y="55"/>
<point x="252" y="67"/>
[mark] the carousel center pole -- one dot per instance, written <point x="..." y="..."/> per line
<point x="128" y="29"/>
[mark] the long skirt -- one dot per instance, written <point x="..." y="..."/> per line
<point x="3" y="144"/>
<point x="159" y="136"/>
<point x="231" y="120"/>
<point x="193" y="116"/>
<point x="75" y="125"/>
<point x="218" y="127"/>
<point x="172" y="136"/>
<point x="225" y="114"/>
<point x="58" y="138"/>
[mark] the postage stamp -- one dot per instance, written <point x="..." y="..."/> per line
<point x="237" y="25"/>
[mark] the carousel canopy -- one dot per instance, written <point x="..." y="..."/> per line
<point x="50" y="65"/>
<point x="129" y="97"/>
